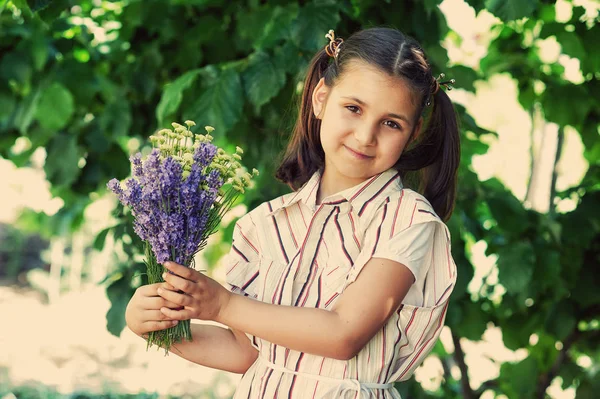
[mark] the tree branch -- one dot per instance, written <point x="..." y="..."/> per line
<point x="531" y="153"/>
<point x="459" y="358"/>
<point x="545" y="379"/>
<point x="489" y="384"/>
<point x="559" y="146"/>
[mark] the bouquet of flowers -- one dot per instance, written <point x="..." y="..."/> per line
<point x="178" y="195"/>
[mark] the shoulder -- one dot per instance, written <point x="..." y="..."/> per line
<point x="404" y="215"/>
<point x="406" y="207"/>
<point x="257" y="215"/>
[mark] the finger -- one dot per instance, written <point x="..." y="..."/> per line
<point x="179" y="283"/>
<point x="148" y="290"/>
<point x="155" y="315"/>
<point x="186" y="272"/>
<point x="175" y="297"/>
<point x="155" y="303"/>
<point x="160" y="325"/>
<point x="168" y="286"/>
<point x="184" y="314"/>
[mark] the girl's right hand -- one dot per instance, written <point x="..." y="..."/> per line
<point x="143" y="313"/>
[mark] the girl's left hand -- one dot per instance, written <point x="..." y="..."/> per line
<point x="200" y="296"/>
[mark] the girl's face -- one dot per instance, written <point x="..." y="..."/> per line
<point x="367" y="119"/>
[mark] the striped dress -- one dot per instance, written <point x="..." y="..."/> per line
<point x="291" y="251"/>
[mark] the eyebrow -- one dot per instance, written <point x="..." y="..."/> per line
<point x="404" y="118"/>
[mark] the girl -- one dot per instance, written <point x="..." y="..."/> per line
<point x="340" y="288"/>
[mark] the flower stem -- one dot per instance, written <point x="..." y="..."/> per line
<point x="179" y="333"/>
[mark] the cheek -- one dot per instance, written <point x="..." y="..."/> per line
<point x="394" y="146"/>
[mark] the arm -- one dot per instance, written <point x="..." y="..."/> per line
<point x="359" y="313"/>
<point x="212" y="346"/>
<point x="217" y="347"/>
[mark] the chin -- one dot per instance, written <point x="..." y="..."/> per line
<point x="355" y="171"/>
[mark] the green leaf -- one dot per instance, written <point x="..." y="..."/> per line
<point x="277" y="27"/>
<point x="61" y="162"/>
<point x="478" y="5"/>
<point x="509" y="10"/>
<point x="431" y="5"/>
<point x="312" y="24"/>
<point x="26" y="109"/>
<point x="571" y="44"/>
<point x="586" y="292"/>
<point x="52" y="9"/>
<point x="262" y="80"/>
<point x="471" y="322"/>
<point x="561" y="320"/>
<point x="520" y="379"/>
<point x="23" y="6"/>
<point x="116" y="119"/>
<point x="173" y="94"/>
<point x="220" y="104"/>
<point x="464" y="76"/>
<point x="7" y="106"/>
<point x="37" y="5"/>
<point x="101" y="238"/>
<point x="547" y="272"/>
<point x="56" y="107"/>
<point x="505" y="208"/>
<point x="119" y="292"/>
<point x="515" y="266"/>
<point x="547" y="12"/>
<point x="288" y="58"/>
<point x="557" y="102"/>
<point x="39" y="53"/>
<point x="591" y="62"/>
<point x="16" y="66"/>
<point x="527" y="95"/>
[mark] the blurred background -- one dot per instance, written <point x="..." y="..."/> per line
<point x="84" y="83"/>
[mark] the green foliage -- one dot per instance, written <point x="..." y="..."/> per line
<point x="84" y="90"/>
<point x="509" y="10"/>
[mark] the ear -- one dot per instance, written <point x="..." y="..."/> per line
<point x="319" y="98"/>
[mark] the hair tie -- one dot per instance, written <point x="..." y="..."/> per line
<point x="333" y="48"/>
<point x="448" y="84"/>
<point x="437" y="82"/>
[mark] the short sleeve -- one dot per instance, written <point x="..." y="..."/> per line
<point x="406" y="229"/>
<point x="242" y="261"/>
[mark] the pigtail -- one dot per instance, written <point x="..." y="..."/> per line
<point x="438" y="178"/>
<point x="304" y="154"/>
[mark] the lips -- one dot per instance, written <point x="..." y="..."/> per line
<point x="357" y="154"/>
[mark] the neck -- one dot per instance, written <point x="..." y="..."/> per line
<point x="330" y="185"/>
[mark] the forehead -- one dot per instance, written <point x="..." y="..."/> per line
<point x="375" y="87"/>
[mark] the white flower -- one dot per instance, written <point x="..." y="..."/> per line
<point x="188" y="158"/>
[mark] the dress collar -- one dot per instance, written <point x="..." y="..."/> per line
<point x="359" y="196"/>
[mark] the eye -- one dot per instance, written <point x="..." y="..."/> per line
<point x="352" y="108"/>
<point x="393" y="125"/>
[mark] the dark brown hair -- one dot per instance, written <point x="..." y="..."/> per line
<point x="430" y="162"/>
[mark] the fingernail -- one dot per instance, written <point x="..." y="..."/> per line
<point x="164" y="276"/>
<point x="174" y="322"/>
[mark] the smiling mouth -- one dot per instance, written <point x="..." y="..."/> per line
<point x="358" y="154"/>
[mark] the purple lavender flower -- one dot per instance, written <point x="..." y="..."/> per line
<point x="171" y="213"/>
<point x="136" y="162"/>
<point x="204" y="154"/>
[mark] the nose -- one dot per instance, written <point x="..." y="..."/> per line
<point x="365" y="135"/>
